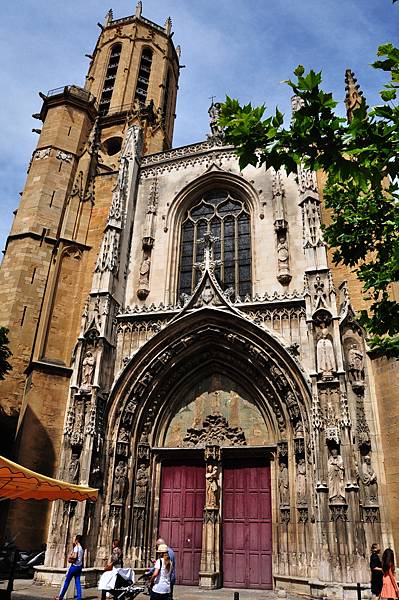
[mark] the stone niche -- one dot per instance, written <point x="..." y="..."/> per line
<point x="218" y="399"/>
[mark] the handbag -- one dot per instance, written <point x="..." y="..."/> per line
<point x="108" y="567"/>
<point x="71" y="558"/>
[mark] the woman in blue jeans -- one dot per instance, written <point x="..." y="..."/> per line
<point x="75" y="570"/>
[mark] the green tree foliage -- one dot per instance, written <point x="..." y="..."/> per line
<point x="5" y="353"/>
<point x="360" y="159"/>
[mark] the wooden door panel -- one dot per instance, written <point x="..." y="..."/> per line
<point x="247" y="535"/>
<point x="181" y="515"/>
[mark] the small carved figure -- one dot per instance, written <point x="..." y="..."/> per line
<point x="73" y="469"/>
<point x="120" y="481"/>
<point x="279" y="377"/>
<point x="336" y="477"/>
<point x="283" y="485"/>
<point x="141" y="485"/>
<point x="212" y="486"/>
<point x="214" y="114"/>
<point x="356" y="363"/>
<point x="144" y="273"/>
<point x="301" y="482"/>
<point x="123" y="435"/>
<point x="88" y="365"/>
<point x="326" y="364"/>
<point x="370" y="481"/>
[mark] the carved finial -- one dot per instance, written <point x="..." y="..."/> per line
<point x="139" y="9"/>
<point x="168" y="26"/>
<point x="178" y="52"/>
<point x="354" y="95"/>
<point x="108" y="17"/>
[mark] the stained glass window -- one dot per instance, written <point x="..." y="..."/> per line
<point x="224" y="215"/>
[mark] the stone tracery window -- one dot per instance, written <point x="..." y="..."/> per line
<point x="225" y="216"/>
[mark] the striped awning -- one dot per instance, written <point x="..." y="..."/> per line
<point x="17" y="482"/>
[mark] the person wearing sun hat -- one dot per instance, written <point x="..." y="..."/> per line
<point x="160" y="585"/>
<point x="173" y="560"/>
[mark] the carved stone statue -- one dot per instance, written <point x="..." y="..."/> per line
<point x="141" y="485"/>
<point x="326" y="364"/>
<point x="356" y="362"/>
<point x="369" y="479"/>
<point x="301" y="482"/>
<point x="73" y="469"/>
<point x="283" y="485"/>
<point x="145" y="271"/>
<point x="88" y="364"/>
<point x="120" y="481"/>
<point x="283" y="275"/>
<point x="214" y="114"/>
<point x="336" y="486"/>
<point x="212" y="486"/>
<point x="123" y="435"/>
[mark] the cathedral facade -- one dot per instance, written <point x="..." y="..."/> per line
<point x="183" y="342"/>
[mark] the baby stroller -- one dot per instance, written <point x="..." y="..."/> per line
<point x="123" y="586"/>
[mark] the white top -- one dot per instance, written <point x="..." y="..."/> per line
<point x="78" y="550"/>
<point x="162" y="581"/>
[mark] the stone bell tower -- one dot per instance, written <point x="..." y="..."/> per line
<point x="60" y="227"/>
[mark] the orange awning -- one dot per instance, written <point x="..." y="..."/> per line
<point x="18" y="482"/>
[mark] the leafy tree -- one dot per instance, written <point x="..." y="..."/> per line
<point x="5" y="353"/>
<point x="360" y="159"/>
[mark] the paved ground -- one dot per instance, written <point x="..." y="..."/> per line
<point x="27" y="590"/>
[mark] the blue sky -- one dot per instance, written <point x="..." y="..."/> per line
<point x="244" y="49"/>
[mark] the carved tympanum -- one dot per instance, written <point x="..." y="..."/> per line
<point x="215" y="430"/>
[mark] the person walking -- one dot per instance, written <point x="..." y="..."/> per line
<point x="160" y="579"/>
<point x="173" y="561"/>
<point x="390" y="589"/>
<point x="75" y="570"/>
<point x="376" y="570"/>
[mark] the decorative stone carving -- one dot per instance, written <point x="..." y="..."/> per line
<point x="211" y="516"/>
<point x="108" y="257"/>
<point x="301" y="482"/>
<point x="140" y="496"/>
<point x="120" y="480"/>
<point x="122" y="448"/>
<point x="303" y="514"/>
<point x="283" y="485"/>
<point x="356" y="366"/>
<point x="127" y="417"/>
<point x="282" y="449"/>
<point x="279" y="377"/>
<point x="339" y="512"/>
<point x="64" y="156"/>
<point x="283" y="270"/>
<point x="144" y="278"/>
<point x="369" y="479"/>
<point x="362" y="428"/>
<point x="215" y="431"/>
<point x="371" y="514"/>
<point x="331" y="424"/>
<point x="292" y="405"/>
<point x="214" y="114"/>
<point x="285" y="515"/>
<point x="212" y="453"/>
<point x="73" y="469"/>
<point x="336" y="487"/>
<point x="326" y="364"/>
<point x="212" y="486"/>
<point x="88" y="366"/>
<point x="43" y="153"/>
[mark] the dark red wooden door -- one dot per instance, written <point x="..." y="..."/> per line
<point x="181" y="515"/>
<point x="247" y="527"/>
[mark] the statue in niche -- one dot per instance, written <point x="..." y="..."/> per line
<point x="301" y="482"/>
<point x="326" y="364"/>
<point x="369" y="479"/>
<point x="144" y="272"/>
<point x="73" y="469"/>
<point x="212" y="486"/>
<point x="214" y="114"/>
<point x="120" y="479"/>
<point x="283" y="276"/>
<point x="356" y="363"/>
<point x="283" y="485"/>
<point x="141" y="485"/>
<point x="336" y="486"/>
<point x="88" y="364"/>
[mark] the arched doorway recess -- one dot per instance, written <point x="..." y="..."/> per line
<point x="215" y="395"/>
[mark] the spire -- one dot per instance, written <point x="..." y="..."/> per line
<point x="354" y="95"/>
<point x="139" y="9"/>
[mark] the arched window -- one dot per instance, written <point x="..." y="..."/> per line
<point x="225" y="216"/>
<point x="143" y="76"/>
<point x="110" y="77"/>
